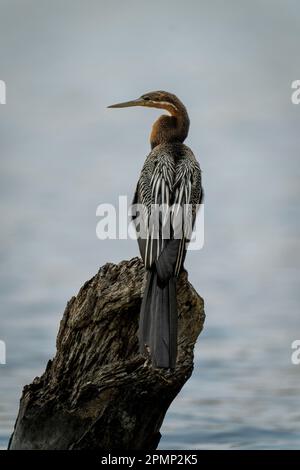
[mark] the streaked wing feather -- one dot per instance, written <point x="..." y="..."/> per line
<point x="187" y="197"/>
<point x="167" y="181"/>
<point x="154" y="188"/>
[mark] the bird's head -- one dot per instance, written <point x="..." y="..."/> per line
<point x="155" y="99"/>
<point x="173" y="128"/>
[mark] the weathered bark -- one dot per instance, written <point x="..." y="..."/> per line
<point x="98" y="392"/>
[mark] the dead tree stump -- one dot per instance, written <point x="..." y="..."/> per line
<point x="98" y="392"/>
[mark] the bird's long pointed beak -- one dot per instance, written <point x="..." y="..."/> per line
<point x="127" y="104"/>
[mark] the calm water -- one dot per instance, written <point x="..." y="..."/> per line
<point x="62" y="153"/>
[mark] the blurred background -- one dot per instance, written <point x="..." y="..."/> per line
<point x="62" y="153"/>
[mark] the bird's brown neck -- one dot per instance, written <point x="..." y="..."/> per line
<point x="173" y="128"/>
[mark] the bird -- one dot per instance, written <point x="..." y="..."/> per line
<point x="167" y="196"/>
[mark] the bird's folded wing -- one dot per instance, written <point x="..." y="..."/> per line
<point x="187" y="197"/>
<point x="153" y="195"/>
<point x="168" y="196"/>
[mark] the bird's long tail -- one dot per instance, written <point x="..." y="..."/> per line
<point x="158" y="321"/>
<point x="158" y="316"/>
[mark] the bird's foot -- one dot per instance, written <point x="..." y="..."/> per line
<point x="148" y="360"/>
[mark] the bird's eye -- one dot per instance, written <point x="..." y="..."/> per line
<point x="146" y="98"/>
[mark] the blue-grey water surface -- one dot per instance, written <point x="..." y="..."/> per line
<point x="63" y="153"/>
